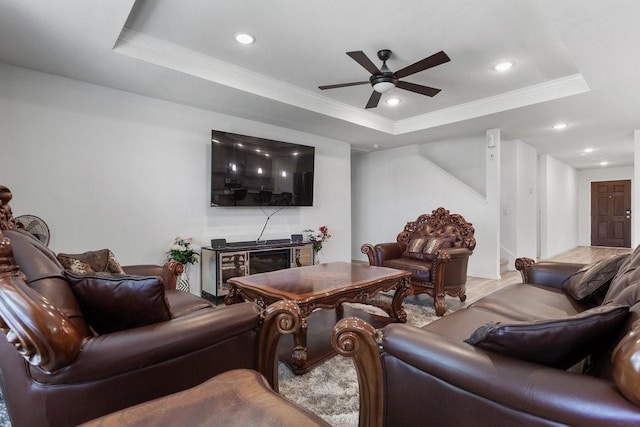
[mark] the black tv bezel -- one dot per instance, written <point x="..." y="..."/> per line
<point x="250" y="140"/>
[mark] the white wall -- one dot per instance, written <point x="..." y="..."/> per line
<point x="519" y="195"/>
<point x="393" y="187"/>
<point x="466" y="168"/>
<point x="585" y="178"/>
<point x="558" y="207"/>
<point x="106" y="168"/>
<point x="635" y="201"/>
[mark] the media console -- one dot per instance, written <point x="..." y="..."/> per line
<point x="236" y="259"/>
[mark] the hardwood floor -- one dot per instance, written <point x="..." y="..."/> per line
<point x="477" y="287"/>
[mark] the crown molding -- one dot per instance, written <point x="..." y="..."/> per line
<point x="171" y="56"/>
<point x="159" y="52"/>
<point x="554" y="89"/>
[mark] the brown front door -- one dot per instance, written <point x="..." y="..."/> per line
<point x="611" y="213"/>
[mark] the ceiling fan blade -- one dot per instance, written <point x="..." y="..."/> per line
<point x="373" y="101"/>
<point x="422" y="90"/>
<point x="364" y="60"/>
<point x="429" y="62"/>
<point x="343" y="85"/>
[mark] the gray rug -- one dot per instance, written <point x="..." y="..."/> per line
<point x="330" y="390"/>
<point x="4" y="416"/>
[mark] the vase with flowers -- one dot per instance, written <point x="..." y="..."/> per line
<point x="183" y="250"/>
<point x="318" y="237"/>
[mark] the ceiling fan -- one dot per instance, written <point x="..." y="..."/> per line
<point x="383" y="79"/>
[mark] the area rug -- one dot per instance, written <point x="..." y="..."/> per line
<point x="330" y="390"/>
<point x="4" y="415"/>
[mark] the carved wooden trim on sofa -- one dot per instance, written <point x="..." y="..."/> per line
<point x="355" y="338"/>
<point x="44" y="336"/>
<point x="7" y="221"/>
<point x="440" y="218"/>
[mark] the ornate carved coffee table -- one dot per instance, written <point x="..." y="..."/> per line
<point x="324" y="286"/>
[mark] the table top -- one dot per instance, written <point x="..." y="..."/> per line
<point x="304" y="283"/>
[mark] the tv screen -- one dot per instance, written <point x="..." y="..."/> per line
<point x="252" y="171"/>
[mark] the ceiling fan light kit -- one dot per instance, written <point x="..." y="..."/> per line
<point x="383" y="80"/>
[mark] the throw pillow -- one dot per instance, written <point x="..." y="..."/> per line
<point x="433" y="245"/>
<point x="559" y="343"/>
<point x="591" y="278"/>
<point x="115" y="303"/>
<point x="91" y="262"/>
<point x="426" y="248"/>
<point x="414" y="248"/>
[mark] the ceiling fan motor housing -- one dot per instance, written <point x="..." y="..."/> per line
<point x="383" y="82"/>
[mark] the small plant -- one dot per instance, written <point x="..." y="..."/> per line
<point x="318" y="237"/>
<point x="183" y="250"/>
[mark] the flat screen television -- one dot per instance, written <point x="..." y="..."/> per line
<point x="251" y="171"/>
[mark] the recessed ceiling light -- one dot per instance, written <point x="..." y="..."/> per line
<point x="604" y="163"/>
<point x="376" y="145"/>
<point x="393" y="101"/>
<point x="504" y="66"/>
<point x="588" y="150"/>
<point x="559" y="126"/>
<point x="244" y="38"/>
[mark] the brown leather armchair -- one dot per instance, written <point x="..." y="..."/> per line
<point x="435" y="249"/>
<point x="55" y="369"/>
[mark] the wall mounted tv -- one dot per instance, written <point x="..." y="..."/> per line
<point x="252" y="171"/>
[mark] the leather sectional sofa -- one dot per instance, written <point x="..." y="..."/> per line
<point x="528" y="354"/>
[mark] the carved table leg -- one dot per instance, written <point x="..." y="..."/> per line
<point x="403" y="290"/>
<point x="233" y="297"/>
<point x="300" y="355"/>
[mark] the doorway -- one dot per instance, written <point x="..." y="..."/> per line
<point x="611" y="213"/>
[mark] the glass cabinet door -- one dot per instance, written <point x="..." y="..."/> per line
<point x="302" y="256"/>
<point x="232" y="264"/>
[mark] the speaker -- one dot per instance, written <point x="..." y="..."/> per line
<point x="218" y="243"/>
<point x="296" y="238"/>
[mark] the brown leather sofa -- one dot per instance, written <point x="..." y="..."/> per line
<point x="528" y="354"/>
<point x="57" y="370"/>
<point x="435" y="248"/>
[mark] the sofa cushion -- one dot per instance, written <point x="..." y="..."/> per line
<point x="527" y="302"/>
<point x="559" y="343"/>
<point x="591" y="278"/>
<point x="628" y="274"/>
<point x="113" y="303"/>
<point x="419" y="269"/>
<point x="91" y="262"/>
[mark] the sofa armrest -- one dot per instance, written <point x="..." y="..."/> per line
<point x="44" y="336"/>
<point x="528" y="388"/>
<point x="109" y="355"/>
<point x="381" y="252"/>
<point x="450" y="266"/>
<point x="547" y="273"/>
<point x="169" y="272"/>
<point x="432" y="372"/>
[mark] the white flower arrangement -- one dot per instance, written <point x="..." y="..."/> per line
<point x="317" y="237"/>
<point x="183" y="250"/>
